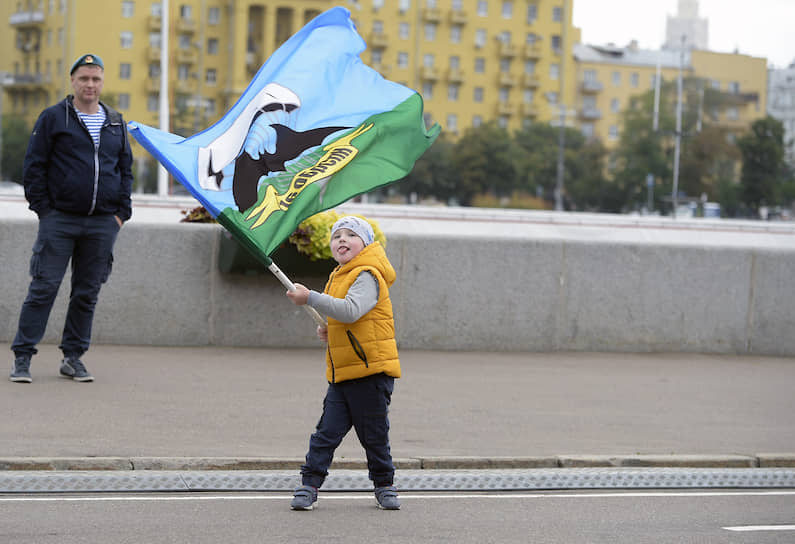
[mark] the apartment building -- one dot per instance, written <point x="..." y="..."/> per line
<point x="608" y="77"/>
<point x="472" y="60"/>
<point x="781" y="105"/>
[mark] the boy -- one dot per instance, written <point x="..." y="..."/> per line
<point x="361" y="360"/>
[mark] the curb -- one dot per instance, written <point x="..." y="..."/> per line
<point x="65" y="464"/>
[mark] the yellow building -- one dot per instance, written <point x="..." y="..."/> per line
<point x="608" y="78"/>
<point x="472" y="60"/>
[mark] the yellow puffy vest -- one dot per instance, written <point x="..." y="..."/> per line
<point x="366" y="347"/>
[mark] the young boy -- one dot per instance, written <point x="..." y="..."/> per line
<point x="361" y="360"/>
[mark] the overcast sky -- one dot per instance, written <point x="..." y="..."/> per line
<point x="761" y="28"/>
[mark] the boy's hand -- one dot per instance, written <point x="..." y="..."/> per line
<point x="299" y="296"/>
<point x="322" y="333"/>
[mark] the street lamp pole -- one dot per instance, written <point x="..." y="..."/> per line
<point x="678" y="136"/>
<point x="562" y="101"/>
<point x="162" y="174"/>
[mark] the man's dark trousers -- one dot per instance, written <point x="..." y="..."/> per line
<point x="362" y="404"/>
<point x="86" y="240"/>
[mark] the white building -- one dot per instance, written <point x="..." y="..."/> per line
<point x="781" y="104"/>
<point x="687" y="23"/>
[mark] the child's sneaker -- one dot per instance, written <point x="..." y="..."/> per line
<point x="387" y="498"/>
<point x="305" y="498"/>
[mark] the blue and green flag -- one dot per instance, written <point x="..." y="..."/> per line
<point x="314" y="128"/>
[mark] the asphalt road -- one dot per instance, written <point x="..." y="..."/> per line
<point x="698" y="517"/>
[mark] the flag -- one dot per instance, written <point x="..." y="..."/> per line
<point x="314" y="128"/>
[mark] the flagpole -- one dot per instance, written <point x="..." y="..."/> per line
<point x="291" y="286"/>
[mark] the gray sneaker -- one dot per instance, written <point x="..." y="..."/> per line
<point x="305" y="498"/>
<point x="21" y="371"/>
<point x="387" y="498"/>
<point x="72" y="367"/>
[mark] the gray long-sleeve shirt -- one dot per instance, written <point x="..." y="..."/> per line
<point x="362" y="296"/>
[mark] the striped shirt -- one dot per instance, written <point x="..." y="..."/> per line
<point x="93" y="122"/>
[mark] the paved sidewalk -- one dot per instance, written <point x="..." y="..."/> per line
<point x="214" y="408"/>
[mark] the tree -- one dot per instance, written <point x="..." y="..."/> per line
<point x="16" y="133"/>
<point x="434" y="173"/>
<point x="764" y="169"/>
<point x="484" y="162"/>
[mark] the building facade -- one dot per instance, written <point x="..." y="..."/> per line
<point x="781" y="105"/>
<point x="472" y="60"/>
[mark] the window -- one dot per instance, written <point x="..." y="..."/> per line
<point x="430" y="4"/>
<point x="715" y="84"/>
<point x="589" y="103"/>
<point x="402" y="59"/>
<point x="554" y="70"/>
<point x="480" y="65"/>
<point x="212" y="46"/>
<point x="124" y="101"/>
<point x="457" y="6"/>
<point x="480" y="37"/>
<point x="732" y="113"/>
<point x="477" y="120"/>
<point x="552" y="98"/>
<point x="587" y="130"/>
<point x="60" y="36"/>
<point x="214" y="16"/>
<point x="502" y="122"/>
<point x="427" y="90"/>
<point x="127" y="9"/>
<point x="557" y="14"/>
<point x="186" y="12"/>
<point x="154" y="69"/>
<point x="427" y="60"/>
<point x="378" y="27"/>
<point x="211" y="76"/>
<point x="614" y="105"/>
<point x="557" y="44"/>
<point x="156" y="9"/>
<point x="403" y="31"/>
<point x="455" y="62"/>
<point x="455" y="34"/>
<point x="634" y="79"/>
<point x="126" y="40"/>
<point x="612" y="132"/>
<point x="505" y="65"/>
<point x="505" y="37"/>
<point x="183" y="72"/>
<point x="530" y="38"/>
<point x="452" y="122"/>
<point x="483" y="8"/>
<point x="152" y="103"/>
<point x="532" y="13"/>
<point x="530" y="67"/>
<point x="404" y="5"/>
<point x="527" y="96"/>
<point x="734" y="87"/>
<point x="507" y="10"/>
<point x="210" y="104"/>
<point x="125" y="69"/>
<point x="504" y="94"/>
<point x="184" y="41"/>
<point x="376" y="57"/>
<point x="378" y="4"/>
<point x="452" y="92"/>
<point x="430" y="32"/>
<point x="616" y="79"/>
<point x="477" y="95"/>
<point x="154" y="40"/>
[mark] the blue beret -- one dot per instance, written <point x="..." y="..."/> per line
<point x="86" y="60"/>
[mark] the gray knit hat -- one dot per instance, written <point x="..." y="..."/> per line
<point x="360" y="227"/>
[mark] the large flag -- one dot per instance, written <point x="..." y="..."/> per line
<point x="314" y="128"/>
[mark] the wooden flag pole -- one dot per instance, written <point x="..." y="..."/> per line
<point x="291" y="286"/>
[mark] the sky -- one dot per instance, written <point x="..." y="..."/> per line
<point x="760" y="28"/>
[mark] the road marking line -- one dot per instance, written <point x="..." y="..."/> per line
<point x="761" y="528"/>
<point x="358" y="495"/>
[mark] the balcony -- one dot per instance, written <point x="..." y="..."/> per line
<point x="154" y="23"/>
<point x="186" y="26"/>
<point x="455" y="75"/>
<point x="24" y="19"/>
<point x="184" y="86"/>
<point x="506" y="80"/>
<point x="507" y="50"/>
<point x="458" y="17"/>
<point x="153" y="85"/>
<point x="530" y="110"/>
<point x="590" y="113"/>
<point x="432" y="15"/>
<point x="591" y="86"/>
<point x="25" y="81"/>
<point x="153" y="54"/>
<point x="530" y="80"/>
<point x="429" y="73"/>
<point x="378" y="40"/>
<point x="506" y="108"/>
<point x="187" y="56"/>
<point x="532" y="51"/>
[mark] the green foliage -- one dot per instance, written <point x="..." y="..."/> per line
<point x="16" y="133"/>
<point x="764" y="170"/>
<point x="314" y="233"/>
<point x="434" y="174"/>
<point x="484" y="162"/>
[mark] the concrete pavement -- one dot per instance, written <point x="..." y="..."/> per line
<point x="210" y="408"/>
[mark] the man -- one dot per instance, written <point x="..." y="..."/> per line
<point x="78" y="179"/>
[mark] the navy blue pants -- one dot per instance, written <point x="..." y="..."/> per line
<point x="88" y="242"/>
<point x="362" y="404"/>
